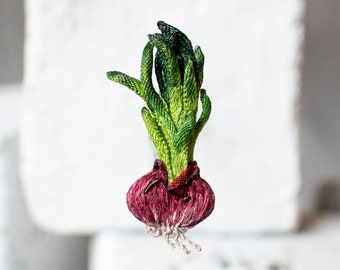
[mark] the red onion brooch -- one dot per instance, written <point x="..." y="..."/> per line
<point x="172" y="197"/>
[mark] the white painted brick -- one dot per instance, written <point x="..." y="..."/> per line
<point x="84" y="142"/>
<point x="313" y="250"/>
<point x="22" y="244"/>
<point x="9" y="121"/>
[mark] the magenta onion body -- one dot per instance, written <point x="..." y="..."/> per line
<point x="170" y="211"/>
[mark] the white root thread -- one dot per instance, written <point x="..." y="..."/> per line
<point x="174" y="236"/>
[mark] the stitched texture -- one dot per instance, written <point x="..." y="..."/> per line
<point x="170" y="116"/>
<point x="172" y="197"/>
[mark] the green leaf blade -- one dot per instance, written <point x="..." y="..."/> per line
<point x="190" y="90"/>
<point x="158" y="138"/>
<point x="126" y="80"/>
<point x="205" y="114"/>
<point x="199" y="56"/>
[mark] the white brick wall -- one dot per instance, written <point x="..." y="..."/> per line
<point x="84" y="142"/>
<point x="313" y="250"/>
<point x="9" y="119"/>
<point x="23" y="245"/>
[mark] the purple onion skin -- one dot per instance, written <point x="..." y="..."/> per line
<point x="187" y="201"/>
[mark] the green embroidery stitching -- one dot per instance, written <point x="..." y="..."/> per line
<point x="170" y="115"/>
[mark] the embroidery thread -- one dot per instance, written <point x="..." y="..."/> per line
<point x="172" y="197"/>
